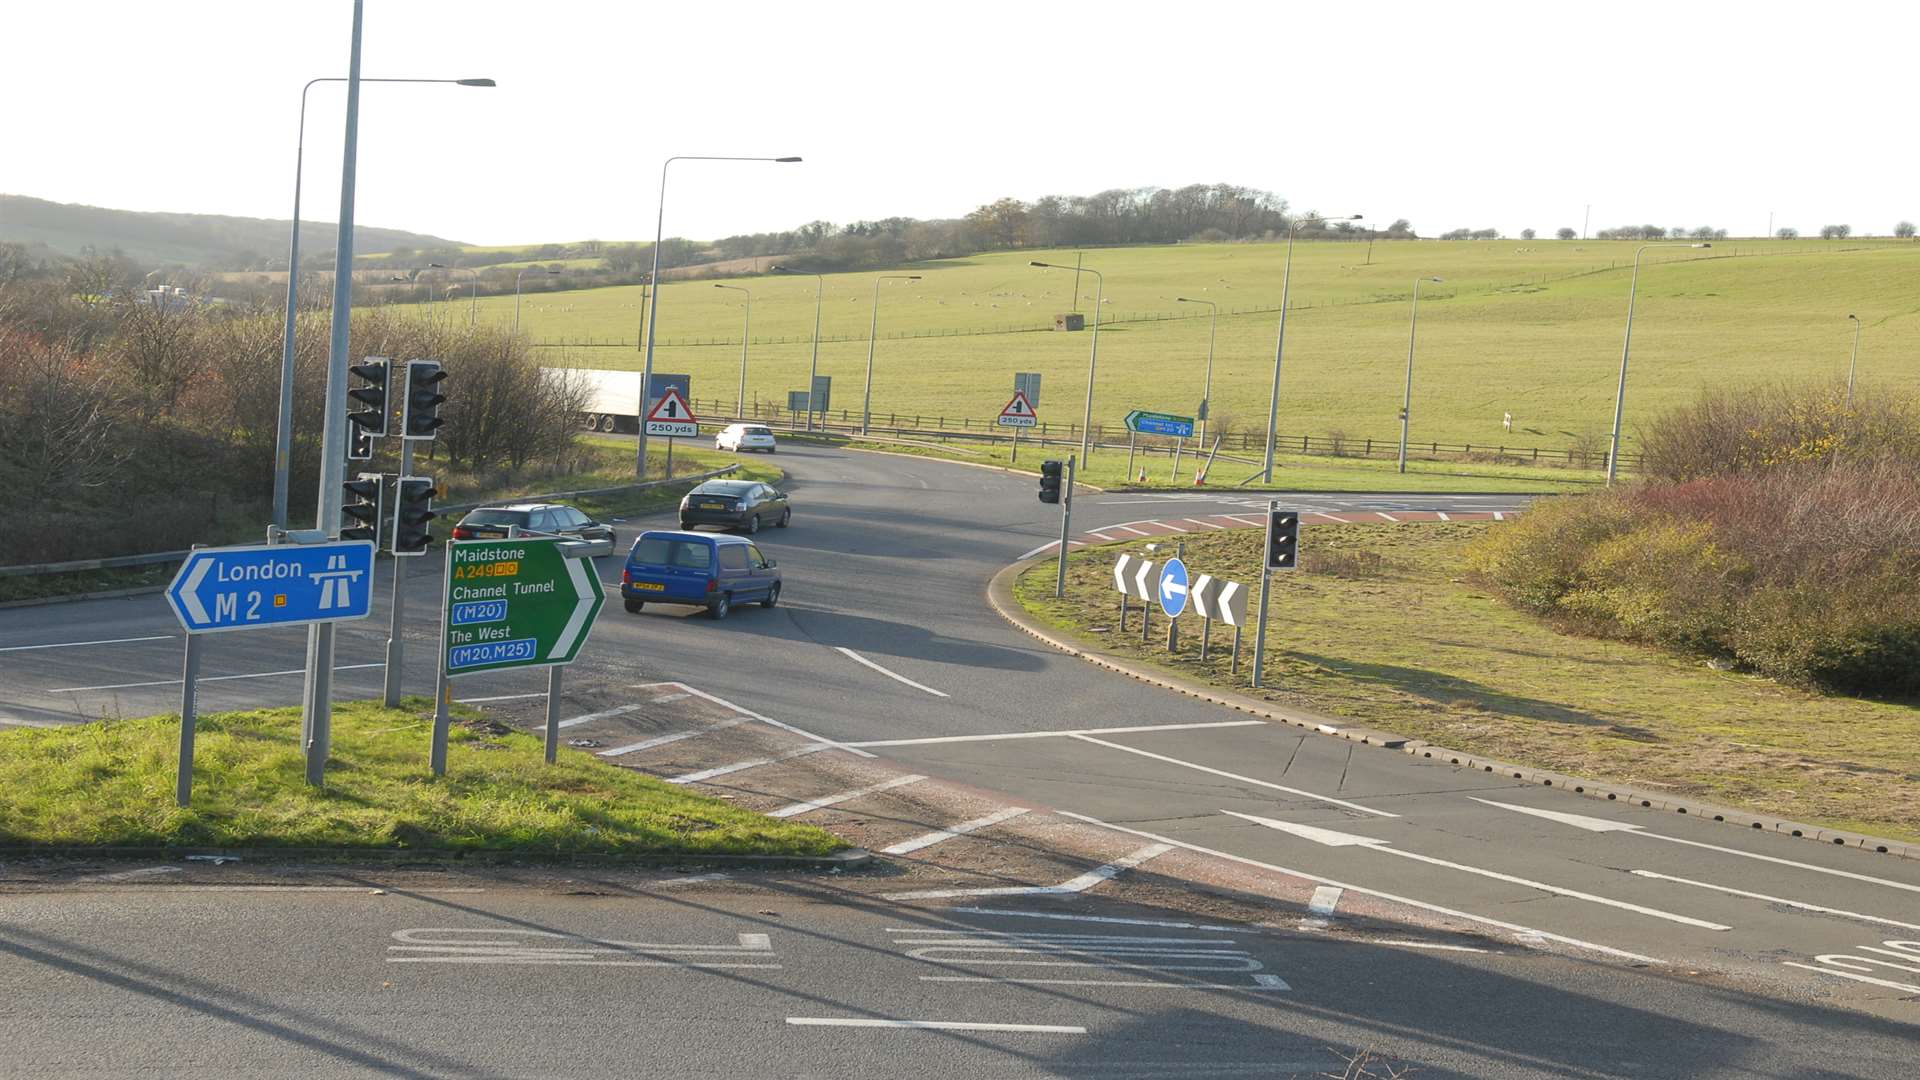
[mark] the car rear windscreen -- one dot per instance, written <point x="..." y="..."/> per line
<point x="495" y="517"/>
<point x="660" y="551"/>
<point x="758" y="431"/>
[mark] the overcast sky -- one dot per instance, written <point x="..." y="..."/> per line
<point x="1477" y="114"/>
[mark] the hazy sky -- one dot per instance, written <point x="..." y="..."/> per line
<point x="1476" y="114"/>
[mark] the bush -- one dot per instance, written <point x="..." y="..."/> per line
<point x="1863" y="637"/>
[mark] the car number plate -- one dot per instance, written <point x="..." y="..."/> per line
<point x="649" y="586"/>
<point x="713" y="506"/>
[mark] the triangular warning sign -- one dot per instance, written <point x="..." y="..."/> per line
<point x="671" y="407"/>
<point x="1019" y="406"/>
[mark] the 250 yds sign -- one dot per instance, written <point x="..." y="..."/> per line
<point x="516" y="603"/>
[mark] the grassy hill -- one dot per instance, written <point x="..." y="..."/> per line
<point x="1533" y="328"/>
<point x="209" y="240"/>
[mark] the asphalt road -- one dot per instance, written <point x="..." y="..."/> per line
<point x="883" y="636"/>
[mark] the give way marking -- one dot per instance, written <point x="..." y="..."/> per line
<point x="1136" y="957"/>
<point x="455" y="945"/>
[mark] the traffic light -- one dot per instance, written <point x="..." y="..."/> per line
<point x="370" y="422"/>
<point x="420" y="409"/>
<point x="412" y="509"/>
<point x="1283" y="540"/>
<point x="359" y="443"/>
<point x="1050" y="472"/>
<point x="360" y="516"/>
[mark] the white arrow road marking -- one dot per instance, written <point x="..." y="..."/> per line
<point x="583" y="606"/>
<point x="1803" y="906"/>
<point x="895" y="676"/>
<point x="1338" y="839"/>
<point x="1593" y="824"/>
<point x="1076" y="885"/>
<point x="1328" y="799"/>
<point x="1525" y="935"/>
<point x="190" y="591"/>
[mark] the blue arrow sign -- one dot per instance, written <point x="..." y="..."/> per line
<point x="1153" y="423"/>
<point x="246" y="588"/>
<point x="1173" y="588"/>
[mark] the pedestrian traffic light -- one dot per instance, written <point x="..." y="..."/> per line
<point x="372" y="420"/>
<point x="412" y="509"/>
<point x="1283" y="540"/>
<point x="360" y="514"/>
<point x="1050" y="472"/>
<point x="420" y="409"/>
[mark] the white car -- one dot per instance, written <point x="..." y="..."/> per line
<point x="738" y="437"/>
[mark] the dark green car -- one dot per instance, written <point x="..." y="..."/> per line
<point x="736" y="504"/>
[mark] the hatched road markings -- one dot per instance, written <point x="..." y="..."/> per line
<point x="662" y="740"/>
<point x="455" y="945"/>
<point x="825" y="801"/>
<point x="966" y="951"/>
<point x="927" y="840"/>
<point x="1076" y="885"/>
<point x="742" y="766"/>
<point x="768" y="720"/>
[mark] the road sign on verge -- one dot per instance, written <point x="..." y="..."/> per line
<point x="1028" y="383"/>
<point x="516" y="603"/>
<point x="671" y="417"/>
<point x="1153" y="423"/>
<point x="260" y="585"/>
<point x="1019" y="412"/>
<point x="1220" y="600"/>
<point x="1173" y="588"/>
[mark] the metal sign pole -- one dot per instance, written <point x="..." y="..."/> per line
<point x="1173" y="623"/>
<point x="1266" y="586"/>
<point x="1178" y="445"/>
<point x="1016" y="447"/>
<point x="1206" y="636"/>
<point x="189" y="686"/>
<point x="553" y="711"/>
<point x="442" y="690"/>
<point x="1123" y="611"/>
<point x="1234" y="667"/>
<point x="1066" y="526"/>
<point x="1129" y="454"/>
<point x="394" y="647"/>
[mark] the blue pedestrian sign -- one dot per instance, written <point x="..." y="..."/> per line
<point x="1173" y="588"/>
<point x="1142" y="422"/>
<point x="247" y="588"/>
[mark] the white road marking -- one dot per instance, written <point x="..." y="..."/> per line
<point x="1097" y="536"/>
<point x="927" y="840"/>
<point x="1443" y="515"/>
<point x="693" y="880"/>
<point x="1330" y="517"/>
<point x="1325" y="899"/>
<point x="1260" y="982"/>
<point x="742" y="766"/>
<point x="894" y="675"/>
<point x="933" y="1025"/>
<point x="768" y="720"/>
<point x="1169" y="525"/>
<point x="604" y="714"/>
<point x="78" y="644"/>
<point x="1524" y="934"/>
<point x="1402" y="944"/>
<point x="1328" y="799"/>
<point x="1498" y="516"/>
<point x="1384" y="516"/>
<point x="1048" y="545"/>
<point x="664" y="698"/>
<point x="1204" y="524"/>
<point x="448" y="945"/>
<point x="1908" y="987"/>
<point x="502" y="697"/>
<point x="825" y="801"/>
<point x="1162" y="924"/>
<point x="662" y="740"/>
<point x="1802" y="905"/>
<point x="1331" y="838"/>
<point x="1244" y="520"/>
<point x="1057" y="734"/>
<point x="1131" y="529"/>
<point x="189" y="886"/>
<point x="207" y="678"/>
<point x="1076" y="885"/>
<point x="1594" y="824"/>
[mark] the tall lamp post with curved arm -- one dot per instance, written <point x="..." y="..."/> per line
<point x="746" y="329"/>
<point x="1280" y="346"/>
<point x="516" y="293"/>
<point x="873" y="332"/>
<point x="283" y="442"/>
<point x="1855" y="361"/>
<point x="653" y="304"/>
<point x="1206" y="387"/>
<point x="813" y="369"/>
<point x="1093" y="355"/>
<point x="1626" y="348"/>
<point x="1406" y="402"/>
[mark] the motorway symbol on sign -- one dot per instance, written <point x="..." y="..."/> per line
<point x="670" y="416"/>
<point x="516" y="603"/>
<point x="1153" y="423"/>
<point x="246" y="588"/>
<point x="1018" y="413"/>
<point x="1173" y="588"/>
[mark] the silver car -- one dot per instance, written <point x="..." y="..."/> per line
<point x="738" y="437"/>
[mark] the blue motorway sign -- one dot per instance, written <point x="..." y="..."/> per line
<point x="1153" y="423"/>
<point x="246" y="588"/>
<point x="1173" y="588"/>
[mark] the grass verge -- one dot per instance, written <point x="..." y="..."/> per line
<point x="111" y="784"/>
<point x="1381" y="628"/>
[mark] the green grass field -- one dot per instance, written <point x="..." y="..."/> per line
<point x="1532" y="328"/>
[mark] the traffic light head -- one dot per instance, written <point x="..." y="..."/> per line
<point x="420" y="409"/>
<point x="360" y="512"/>
<point x="369" y="422"/>
<point x="1050" y="474"/>
<point x="1283" y="540"/>
<point x="412" y="510"/>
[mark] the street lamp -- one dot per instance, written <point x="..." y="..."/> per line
<point x="1280" y="347"/>
<point x="422" y="270"/>
<point x="1856" y="358"/>
<point x="653" y="305"/>
<point x="1406" y="402"/>
<point x="516" y="293"/>
<point x="866" y="403"/>
<point x="813" y="370"/>
<point x="1626" y="347"/>
<point x="283" y="443"/>
<point x="1093" y="357"/>
<point x="1206" y="388"/>
<point x="746" y="328"/>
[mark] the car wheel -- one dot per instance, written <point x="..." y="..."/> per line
<point x="786" y="516"/>
<point x="771" y="449"/>
<point x="686" y="526"/>
<point x="773" y="596"/>
<point x="719" y="608"/>
<point x="634" y="606"/>
<point x="753" y="525"/>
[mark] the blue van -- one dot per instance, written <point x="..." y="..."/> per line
<point x="702" y="569"/>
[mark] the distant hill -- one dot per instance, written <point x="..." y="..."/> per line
<point x="212" y="241"/>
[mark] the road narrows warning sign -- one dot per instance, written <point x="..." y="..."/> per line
<point x="670" y="416"/>
<point x="1019" y="412"/>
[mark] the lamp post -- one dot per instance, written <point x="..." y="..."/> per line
<point x="813" y="369"/>
<point x="1626" y="348"/>
<point x="516" y="293"/>
<point x="746" y="328"/>
<point x="653" y="305"/>
<point x="283" y="442"/>
<point x="1206" y="387"/>
<point x="1093" y="357"/>
<point x="1280" y="347"/>
<point x="1406" y="402"/>
<point x="873" y="331"/>
<point x="1851" y="364"/>
<point x="422" y="270"/>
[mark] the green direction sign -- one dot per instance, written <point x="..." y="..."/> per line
<point x="516" y="603"/>
<point x="1154" y="423"/>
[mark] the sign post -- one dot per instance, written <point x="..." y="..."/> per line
<point x="1018" y="414"/>
<point x="672" y="417"/>
<point x="1173" y="595"/>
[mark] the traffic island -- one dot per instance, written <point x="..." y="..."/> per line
<point x="107" y="787"/>
<point x="1381" y="628"/>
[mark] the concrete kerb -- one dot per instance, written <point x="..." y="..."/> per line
<point x="840" y="860"/>
<point x="1000" y="597"/>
